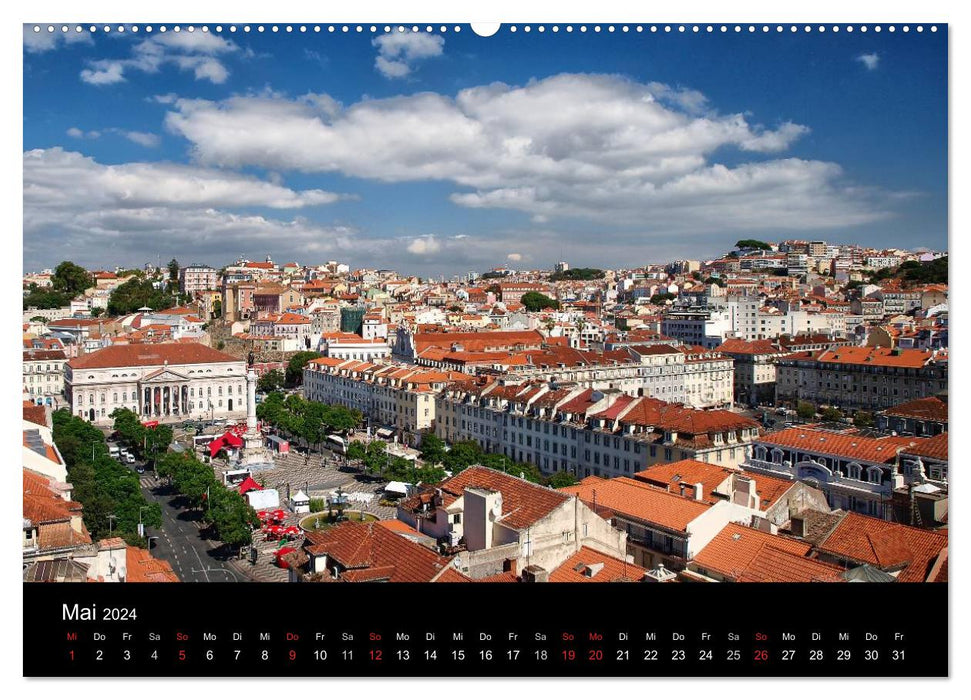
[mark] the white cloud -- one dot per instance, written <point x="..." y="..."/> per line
<point x="398" y="52"/>
<point x="592" y="147"/>
<point x="424" y="245"/>
<point x="142" y="138"/>
<point x="76" y="133"/>
<point x="514" y="257"/>
<point x="197" y="52"/>
<point x="870" y="60"/>
<point x="59" y="179"/>
<point x="43" y="40"/>
<point x="102" y="213"/>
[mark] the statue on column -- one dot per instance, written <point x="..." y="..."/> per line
<point x="251" y="358"/>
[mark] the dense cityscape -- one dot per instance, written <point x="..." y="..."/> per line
<point x="777" y="413"/>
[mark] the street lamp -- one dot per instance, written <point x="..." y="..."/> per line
<point x="150" y="538"/>
<point x="111" y="521"/>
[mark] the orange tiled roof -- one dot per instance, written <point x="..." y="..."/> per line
<point x="574" y="569"/>
<point x="149" y="355"/>
<point x="734" y="548"/>
<point x="473" y="342"/>
<point x="638" y="500"/>
<point x="749" y="347"/>
<point x="769" y="488"/>
<point x="672" y="475"/>
<point x="863" y="539"/>
<point x="773" y="565"/>
<point x="931" y="408"/>
<point x="35" y="414"/>
<point x="935" y="448"/>
<point x="682" y="419"/>
<point x="142" y="567"/>
<point x="879" y="450"/>
<point x="523" y="503"/>
<point x="369" y="551"/>
<point x="876" y="357"/>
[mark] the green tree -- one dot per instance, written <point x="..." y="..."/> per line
<point x="831" y="414"/>
<point x="356" y="451"/>
<point x="863" y="419"/>
<point x="805" y="410"/>
<point x="102" y="485"/>
<point x="561" y="479"/>
<point x="173" y="270"/>
<point x="752" y="243"/>
<point x="715" y="280"/>
<point x="294" y="375"/>
<point x="463" y="454"/>
<point x="584" y="274"/>
<point x="233" y="518"/>
<point x="271" y="381"/>
<point x="217" y="309"/>
<point x="40" y="298"/>
<point x="662" y="297"/>
<point x="71" y="279"/>
<point x="136" y="293"/>
<point x="432" y="448"/>
<point x="534" y="301"/>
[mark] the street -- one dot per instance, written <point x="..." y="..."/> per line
<point x="180" y="540"/>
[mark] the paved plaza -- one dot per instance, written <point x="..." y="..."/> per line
<point x="318" y="476"/>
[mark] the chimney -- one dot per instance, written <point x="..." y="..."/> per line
<point x="699" y="492"/>
<point x="535" y="574"/>
<point x="681" y="487"/>
<point x="797" y="526"/>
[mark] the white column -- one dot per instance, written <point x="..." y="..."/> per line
<point x="251" y="401"/>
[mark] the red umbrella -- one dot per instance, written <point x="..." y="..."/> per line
<point x="291" y="530"/>
<point x="279" y="515"/>
<point x="283" y="551"/>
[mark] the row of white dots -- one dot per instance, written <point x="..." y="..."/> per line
<point x="512" y="28"/>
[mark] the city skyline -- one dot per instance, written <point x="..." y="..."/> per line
<point x="443" y="153"/>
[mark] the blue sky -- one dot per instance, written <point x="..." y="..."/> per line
<point x="441" y="153"/>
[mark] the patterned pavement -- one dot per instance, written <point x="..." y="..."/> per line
<point x="317" y="476"/>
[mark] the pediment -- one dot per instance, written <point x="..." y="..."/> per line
<point x="164" y="376"/>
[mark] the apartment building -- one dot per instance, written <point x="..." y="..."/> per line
<point x="43" y="374"/>
<point x="396" y="397"/>
<point x="856" y="472"/>
<point x="587" y="431"/>
<point x="860" y="378"/>
<point x="198" y="278"/>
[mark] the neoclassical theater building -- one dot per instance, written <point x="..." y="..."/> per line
<point x="163" y="381"/>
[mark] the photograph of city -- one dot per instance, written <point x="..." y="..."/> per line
<point x="408" y="304"/>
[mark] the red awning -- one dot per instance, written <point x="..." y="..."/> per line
<point x="248" y="484"/>
<point x="232" y="439"/>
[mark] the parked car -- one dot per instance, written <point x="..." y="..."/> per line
<point x="129" y="458"/>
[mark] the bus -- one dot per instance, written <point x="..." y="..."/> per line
<point x="337" y="444"/>
<point x="203" y="440"/>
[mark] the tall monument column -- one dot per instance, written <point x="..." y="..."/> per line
<point x="250" y="400"/>
<point x="255" y="456"/>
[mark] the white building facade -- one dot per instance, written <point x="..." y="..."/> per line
<point x="163" y="382"/>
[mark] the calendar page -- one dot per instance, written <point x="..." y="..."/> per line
<point x="470" y="317"/>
